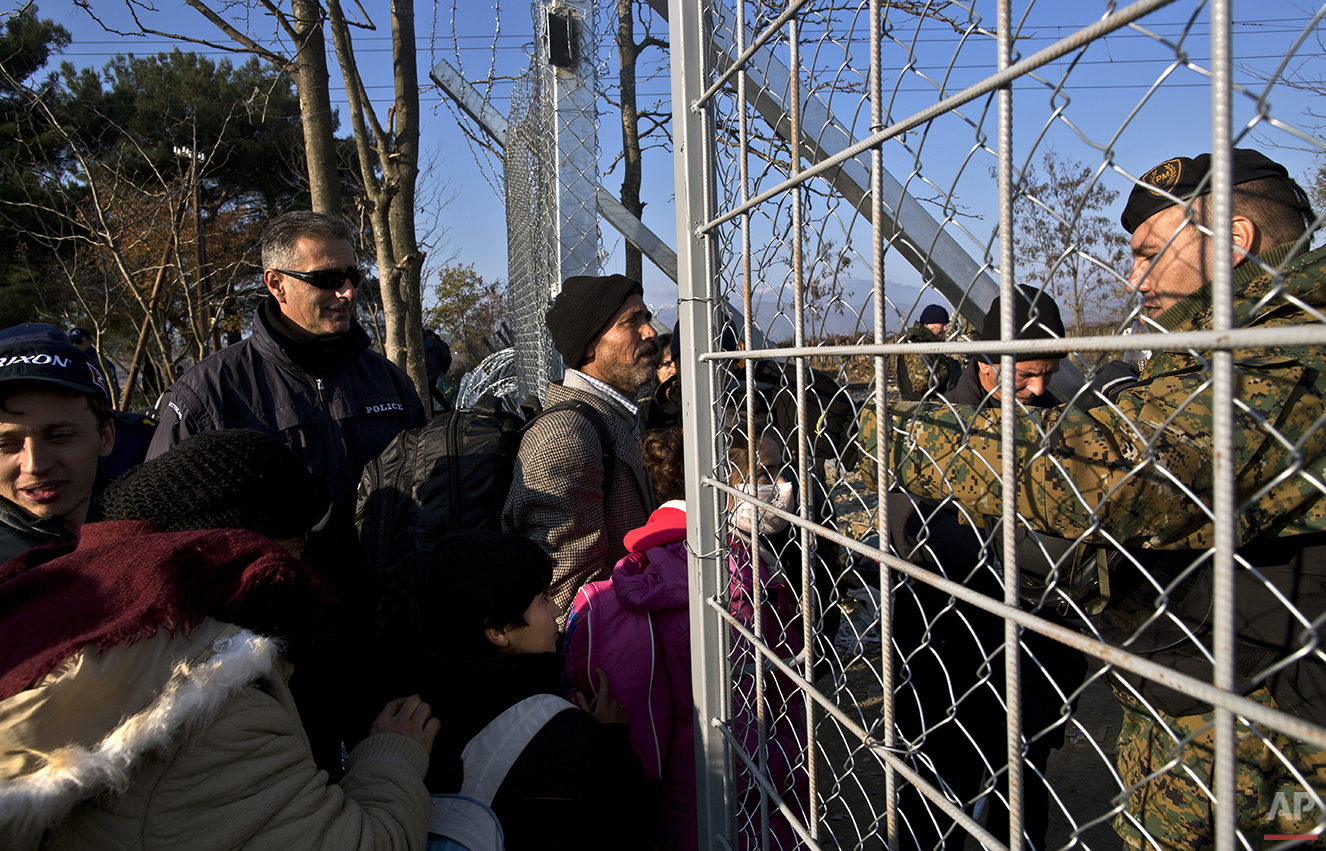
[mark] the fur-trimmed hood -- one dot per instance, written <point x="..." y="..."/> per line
<point x="86" y="728"/>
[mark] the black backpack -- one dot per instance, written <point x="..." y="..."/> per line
<point x="453" y="473"/>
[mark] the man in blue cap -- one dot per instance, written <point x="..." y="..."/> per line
<point x="923" y="375"/>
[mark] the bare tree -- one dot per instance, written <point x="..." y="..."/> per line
<point x="105" y="202"/>
<point x="387" y="152"/>
<point x="1065" y="243"/>
<point x="823" y="289"/>
<point x="636" y="125"/>
<point x="389" y="168"/>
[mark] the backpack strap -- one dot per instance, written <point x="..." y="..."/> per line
<point x="489" y="755"/>
<point x="595" y="418"/>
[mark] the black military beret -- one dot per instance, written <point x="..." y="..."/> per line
<point x="1185" y="178"/>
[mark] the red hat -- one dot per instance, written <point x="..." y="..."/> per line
<point x="666" y="524"/>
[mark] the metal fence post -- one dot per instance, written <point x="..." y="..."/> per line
<point x="695" y="266"/>
<point x="1223" y="392"/>
<point x="575" y="105"/>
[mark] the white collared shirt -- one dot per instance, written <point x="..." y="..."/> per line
<point x="608" y="392"/>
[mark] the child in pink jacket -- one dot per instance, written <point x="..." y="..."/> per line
<point x="636" y="626"/>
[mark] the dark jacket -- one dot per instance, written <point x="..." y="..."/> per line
<point x="437" y="357"/>
<point x="576" y="785"/>
<point x="20" y="533"/>
<point x="336" y="420"/>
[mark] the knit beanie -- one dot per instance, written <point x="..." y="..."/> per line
<point x="934" y="314"/>
<point x="582" y="308"/>
<point x="236" y="479"/>
<point x="1035" y="317"/>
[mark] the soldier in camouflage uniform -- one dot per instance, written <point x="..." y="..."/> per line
<point x="957" y="719"/>
<point x="923" y="375"/>
<point x="1138" y="473"/>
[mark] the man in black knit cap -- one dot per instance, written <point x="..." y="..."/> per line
<point x="601" y="328"/>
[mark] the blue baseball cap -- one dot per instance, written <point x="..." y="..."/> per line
<point x="35" y="353"/>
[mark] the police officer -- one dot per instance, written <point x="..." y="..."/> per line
<point x="309" y="376"/>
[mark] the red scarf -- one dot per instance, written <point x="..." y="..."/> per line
<point x="123" y="580"/>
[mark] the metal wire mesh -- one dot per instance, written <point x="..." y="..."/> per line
<point x="530" y="169"/>
<point x="550" y="163"/>
<point x="855" y="679"/>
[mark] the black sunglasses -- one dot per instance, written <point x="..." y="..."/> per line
<point x="326" y="279"/>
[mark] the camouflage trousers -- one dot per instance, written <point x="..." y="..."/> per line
<point x="1168" y="761"/>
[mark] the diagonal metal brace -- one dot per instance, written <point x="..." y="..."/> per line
<point x="908" y="227"/>
<point x="494" y="123"/>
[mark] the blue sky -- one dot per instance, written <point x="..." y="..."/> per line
<point x="1107" y="82"/>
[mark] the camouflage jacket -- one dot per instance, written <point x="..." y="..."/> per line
<point x="919" y="375"/>
<point x="1139" y="472"/>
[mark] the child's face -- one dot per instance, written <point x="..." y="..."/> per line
<point x="767" y="472"/>
<point x="539" y="634"/>
<point x="769" y="468"/>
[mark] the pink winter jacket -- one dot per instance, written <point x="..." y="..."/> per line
<point x="636" y="627"/>
<point x="655" y="582"/>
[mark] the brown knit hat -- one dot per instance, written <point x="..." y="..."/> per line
<point x="236" y="479"/>
<point x="582" y="308"/>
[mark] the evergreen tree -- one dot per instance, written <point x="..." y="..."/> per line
<point x="26" y="45"/>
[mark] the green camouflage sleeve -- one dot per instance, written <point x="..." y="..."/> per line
<point x="926" y="373"/>
<point x="1139" y="470"/>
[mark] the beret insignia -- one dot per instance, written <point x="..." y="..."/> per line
<point x="1164" y="177"/>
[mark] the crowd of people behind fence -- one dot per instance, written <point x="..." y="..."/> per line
<point x="308" y="610"/>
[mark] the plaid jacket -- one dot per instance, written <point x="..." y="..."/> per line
<point x="556" y="496"/>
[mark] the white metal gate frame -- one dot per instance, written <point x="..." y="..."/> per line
<point x="701" y="228"/>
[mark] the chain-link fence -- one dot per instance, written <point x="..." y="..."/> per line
<point x="550" y="165"/>
<point x="1140" y="515"/>
<point x="529" y="166"/>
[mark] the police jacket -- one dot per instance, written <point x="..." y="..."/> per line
<point x="335" y="404"/>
